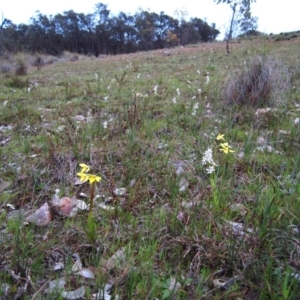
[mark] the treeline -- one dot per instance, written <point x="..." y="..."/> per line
<point x="102" y="33"/>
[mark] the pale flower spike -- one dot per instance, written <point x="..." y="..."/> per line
<point x="208" y="158"/>
<point x="210" y="169"/>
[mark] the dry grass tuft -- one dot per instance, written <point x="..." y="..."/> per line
<point x="21" y="68"/>
<point x="258" y="83"/>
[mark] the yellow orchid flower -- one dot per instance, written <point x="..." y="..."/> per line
<point x="83" y="176"/>
<point x="220" y="137"/>
<point x="93" y="178"/>
<point x="90" y="177"/>
<point x="84" y="168"/>
<point x="225" y="148"/>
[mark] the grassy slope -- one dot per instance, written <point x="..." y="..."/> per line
<point x="153" y="127"/>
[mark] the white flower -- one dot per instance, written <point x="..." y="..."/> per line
<point x="208" y="158"/>
<point x="195" y="107"/>
<point x="155" y="89"/>
<point x="174" y="100"/>
<point x="207" y="79"/>
<point x="178" y="91"/>
<point x="11" y="206"/>
<point x="210" y="169"/>
<point x="208" y="161"/>
<point x="60" y="128"/>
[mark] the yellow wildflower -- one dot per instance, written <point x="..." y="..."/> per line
<point x="90" y="177"/>
<point x="93" y="178"/>
<point x="225" y="148"/>
<point x="84" y="168"/>
<point x="83" y="176"/>
<point x="220" y="137"/>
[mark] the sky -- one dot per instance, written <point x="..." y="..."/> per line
<point x="274" y="16"/>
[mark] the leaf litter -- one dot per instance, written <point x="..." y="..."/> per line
<point x="90" y="274"/>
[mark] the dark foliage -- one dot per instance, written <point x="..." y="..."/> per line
<point x="102" y="33"/>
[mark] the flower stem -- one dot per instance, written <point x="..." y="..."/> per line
<point x="214" y="189"/>
<point x="92" y="193"/>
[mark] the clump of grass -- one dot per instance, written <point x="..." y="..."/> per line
<point x="258" y="83"/>
<point x="74" y="57"/>
<point x="21" y="68"/>
<point x="16" y="82"/>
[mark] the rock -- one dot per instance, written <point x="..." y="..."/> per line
<point x="62" y="207"/>
<point x="41" y="217"/>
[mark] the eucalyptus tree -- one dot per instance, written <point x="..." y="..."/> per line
<point x="205" y="32"/>
<point x="10" y="37"/>
<point x="101" y="17"/>
<point x="146" y="26"/>
<point x="241" y="8"/>
<point x="165" y="27"/>
<point x="41" y="35"/>
<point x="122" y="34"/>
<point x="68" y="30"/>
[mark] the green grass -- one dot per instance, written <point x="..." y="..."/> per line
<point x="136" y="123"/>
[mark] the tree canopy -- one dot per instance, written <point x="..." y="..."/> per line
<point x="242" y="19"/>
<point x="244" y="2"/>
<point x="102" y="33"/>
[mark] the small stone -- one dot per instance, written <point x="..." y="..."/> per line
<point x="63" y="207"/>
<point x="41" y="217"/>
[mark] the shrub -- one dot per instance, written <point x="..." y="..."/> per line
<point x="258" y="84"/>
<point x="21" y="68"/>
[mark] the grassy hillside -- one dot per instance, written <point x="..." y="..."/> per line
<point x="198" y="154"/>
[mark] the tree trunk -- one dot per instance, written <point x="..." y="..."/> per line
<point x="230" y="29"/>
